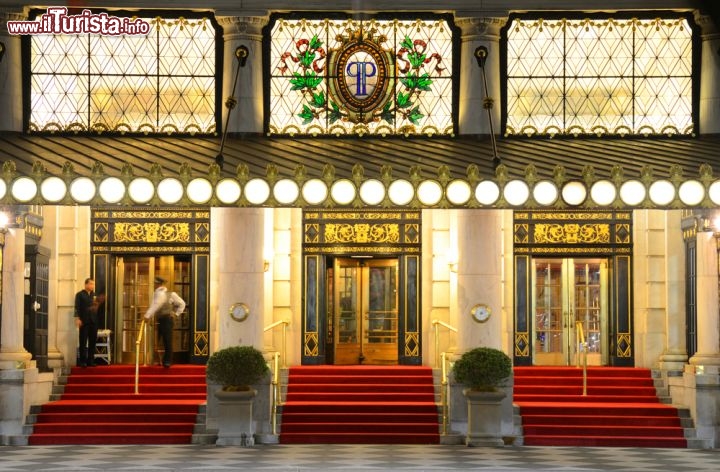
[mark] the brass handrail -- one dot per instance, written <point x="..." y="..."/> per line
<point x="137" y="355"/>
<point x="444" y="394"/>
<point x="435" y="324"/>
<point x="580" y="333"/>
<point x="275" y="384"/>
<point x="284" y="337"/>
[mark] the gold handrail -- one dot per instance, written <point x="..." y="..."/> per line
<point x="444" y="394"/>
<point x="137" y="355"/>
<point x="275" y="383"/>
<point x="580" y="333"/>
<point x="435" y="324"/>
<point x="284" y="337"/>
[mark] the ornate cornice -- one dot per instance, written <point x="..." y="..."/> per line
<point x="242" y="27"/>
<point x="476" y="29"/>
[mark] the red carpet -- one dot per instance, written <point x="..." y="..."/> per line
<point x="99" y="406"/>
<point x="621" y="408"/>
<point x="360" y="405"/>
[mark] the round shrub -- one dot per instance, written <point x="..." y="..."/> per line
<point x="236" y="367"/>
<point x="482" y="368"/>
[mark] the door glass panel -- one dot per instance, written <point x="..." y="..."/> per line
<point x="568" y="292"/>
<point x="366" y="308"/>
<point x="134" y="292"/>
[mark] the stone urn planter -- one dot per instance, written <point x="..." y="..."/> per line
<point x="236" y="368"/>
<point x="235" y="420"/>
<point x="482" y="370"/>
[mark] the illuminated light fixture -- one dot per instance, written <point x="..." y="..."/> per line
<point x="574" y="193"/>
<point x="487" y="192"/>
<point x="632" y="192"/>
<point x="3" y="188"/>
<point x="603" y="192"/>
<point x="314" y="191"/>
<point x="82" y="189"/>
<point x="713" y="192"/>
<point x="286" y="191"/>
<point x="401" y="192"/>
<point x="516" y="192"/>
<point x="257" y="191"/>
<point x="112" y="190"/>
<point x="372" y="191"/>
<point x="199" y="190"/>
<point x="228" y="191"/>
<point x="458" y="192"/>
<point x="430" y="192"/>
<point x="141" y="190"/>
<point x="343" y="192"/>
<point x="170" y="190"/>
<point x="53" y="189"/>
<point x="662" y="192"/>
<point x="545" y="192"/>
<point x="24" y="189"/>
<point x="691" y="192"/>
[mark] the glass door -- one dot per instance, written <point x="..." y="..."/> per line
<point x="134" y="291"/>
<point x="366" y="309"/>
<point x="569" y="300"/>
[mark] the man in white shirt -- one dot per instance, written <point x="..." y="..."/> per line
<point x="166" y="306"/>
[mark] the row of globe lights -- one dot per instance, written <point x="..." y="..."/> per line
<point x="372" y="192"/>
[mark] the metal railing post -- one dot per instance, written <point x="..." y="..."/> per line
<point x="137" y="355"/>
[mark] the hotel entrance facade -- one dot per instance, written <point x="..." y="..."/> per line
<point x="353" y="190"/>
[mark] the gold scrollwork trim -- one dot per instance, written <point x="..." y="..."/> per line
<point x="522" y="344"/>
<point x="200" y="344"/>
<point x="623" y="340"/>
<point x="151" y="232"/>
<point x="311" y="339"/>
<point x="361" y="249"/>
<point x="412" y="345"/>
<point x="571" y="216"/>
<point x="362" y="233"/>
<point x="153" y="215"/>
<point x="553" y="233"/>
<point x="175" y="249"/>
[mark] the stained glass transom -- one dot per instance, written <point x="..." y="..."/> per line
<point x="163" y="82"/>
<point x="353" y="77"/>
<point x="599" y="76"/>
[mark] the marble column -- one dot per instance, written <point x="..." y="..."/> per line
<point x="247" y="116"/>
<point x="479" y="277"/>
<point x="472" y="116"/>
<point x="12" y="353"/>
<point x="674" y="356"/>
<point x="10" y="75"/>
<point x="709" y="75"/>
<point x="239" y="275"/>
<point x="708" y="318"/>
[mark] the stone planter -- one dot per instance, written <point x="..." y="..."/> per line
<point x="235" y="418"/>
<point x="484" y="418"/>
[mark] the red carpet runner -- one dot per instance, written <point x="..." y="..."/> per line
<point x="621" y="408"/>
<point x="360" y="405"/>
<point x="99" y="406"/>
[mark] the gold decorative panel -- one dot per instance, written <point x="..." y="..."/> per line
<point x="568" y="233"/>
<point x="624" y="345"/>
<point x="412" y="344"/>
<point x="361" y="232"/>
<point x="311" y="344"/>
<point x="151" y="232"/>
<point x="522" y="344"/>
<point x="201" y="344"/>
<point x="571" y="233"/>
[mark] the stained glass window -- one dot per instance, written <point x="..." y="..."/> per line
<point x="162" y="82"/>
<point x="353" y="77"/>
<point x="599" y="76"/>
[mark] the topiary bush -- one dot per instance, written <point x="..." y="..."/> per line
<point x="482" y="368"/>
<point x="237" y="367"/>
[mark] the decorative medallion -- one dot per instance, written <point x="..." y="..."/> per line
<point x="359" y="75"/>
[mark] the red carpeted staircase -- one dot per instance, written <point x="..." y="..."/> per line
<point x="99" y="406"/>
<point x="621" y="408"/>
<point x="360" y="405"/>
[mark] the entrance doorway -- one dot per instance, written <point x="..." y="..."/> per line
<point x="134" y="276"/>
<point x="364" y="311"/>
<point x="570" y="298"/>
